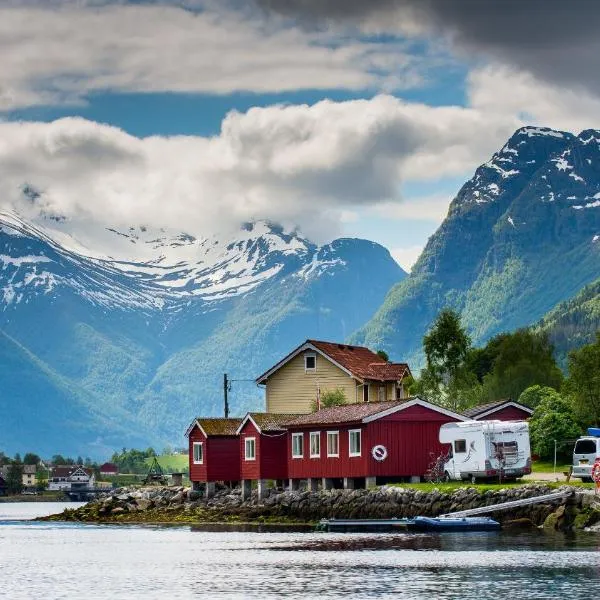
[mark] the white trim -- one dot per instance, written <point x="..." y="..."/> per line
<point x="247" y="418"/>
<point x="350" y="432"/>
<point x="522" y="407"/>
<point x="246" y="440"/>
<point x="201" y="445"/>
<point x="337" y="432"/>
<point x="310" y="355"/>
<point x="415" y="402"/>
<point x="310" y="437"/>
<point x="296" y="436"/>
<point x="294" y="353"/>
<point x="191" y="427"/>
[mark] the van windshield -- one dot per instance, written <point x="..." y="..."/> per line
<point x="585" y="447"/>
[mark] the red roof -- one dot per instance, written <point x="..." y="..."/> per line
<point x="361" y="362"/>
<point x="492" y="407"/>
<point x="109" y="468"/>
<point x="346" y="413"/>
<point x="68" y="470"/>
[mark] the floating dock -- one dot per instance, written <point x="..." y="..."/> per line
<point x="414" y="524"/>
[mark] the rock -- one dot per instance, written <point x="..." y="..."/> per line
<point x="143" y="503"/>
<point x="119" y="510"/>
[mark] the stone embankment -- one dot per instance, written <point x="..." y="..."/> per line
<point x="182" y="505"/>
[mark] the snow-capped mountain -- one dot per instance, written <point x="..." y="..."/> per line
<point x="521" y="236"/>
<point x="142" y="323"/>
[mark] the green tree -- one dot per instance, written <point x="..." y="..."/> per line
<point x="533" y="395"/>
<point x="384" y="355"/>
<point x="31" y="459"/>
<point x="522" y="359"/>
<point x="552" y="419"/>
<point x="17" y="458"/>
<point x="334" y="397"/>
<point x="446" y="346"/>
<point x="583" y="384"/>
<point x="14" y="478"/>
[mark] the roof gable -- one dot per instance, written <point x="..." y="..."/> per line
<point x="483" y="410"/>
<point x="355" y="361"/>
<point x="266" y="422"/>
<point x="213" y="427"/>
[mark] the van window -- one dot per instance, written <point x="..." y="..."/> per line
<point x="585" y="447"/>
<point x="460" y="446"/>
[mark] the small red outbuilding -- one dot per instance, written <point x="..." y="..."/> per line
<point x="501" y="410"/>
<point x="109" y="469"/>
<point x="213" y="450"/>
<point x="263" y="449"/>
<point x="368" y="442"/>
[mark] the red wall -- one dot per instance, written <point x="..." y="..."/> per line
<point x="221" y="458"/>
<point x="271" y="455"/>
<point x="509" y="413"/>
<point x="410" y="437"/>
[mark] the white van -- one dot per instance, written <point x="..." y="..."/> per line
<point x="586" y="450"/>
<point x="486" y="449"/>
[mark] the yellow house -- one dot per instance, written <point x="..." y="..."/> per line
<point x="299" y="379"/>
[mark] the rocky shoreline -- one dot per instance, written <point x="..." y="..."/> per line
<point x="162" y="505"/>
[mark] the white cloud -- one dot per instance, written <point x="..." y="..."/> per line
<point x="56" y="53"/>
<point x="299" y="165"/>
<point x="500" y="90"/>
<point x="429" y="208"/>
<point x="406" y="257"/>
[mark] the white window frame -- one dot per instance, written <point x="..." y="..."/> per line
<point x="317" y="435"/>
<point x="312" y="355"/>
<point x="337" y="434"/>
<point x="201" y="446"/>
<point x="246" y="440"/>
<point x="366" y="391"/>
<point x="350" y="432"/>
<point x="296" y="436"/>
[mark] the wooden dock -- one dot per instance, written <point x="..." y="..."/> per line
<point x="482" y="510"/>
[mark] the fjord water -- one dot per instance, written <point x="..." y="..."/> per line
<point x="64" y="560"/>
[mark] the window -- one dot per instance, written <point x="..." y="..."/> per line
<point x="460" y="446"/>
<point x="585" y="447"/>
<point x="366" y="392"/>
<point x="354" y="442"/>
<point x="399" y="392"/>
<point x="198" y="453"/>
<point x="310" y="362"/>
<point x="250" y="445"/>
<point x="315" y="444"/>
<point x="297" y="445"/>
<point x="333" y="443"/>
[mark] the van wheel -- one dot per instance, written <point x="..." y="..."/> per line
<point x="446" y="477"/>
<point x="587" y="480"/>
<point x="473" y="479"/>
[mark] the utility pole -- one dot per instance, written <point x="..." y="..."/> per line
<point x="225" y="390"/>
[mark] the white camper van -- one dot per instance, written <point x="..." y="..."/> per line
<point x="585" y="453"/>
<point x="485" y="449"/>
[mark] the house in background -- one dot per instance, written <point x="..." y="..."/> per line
<point x="29" y="476"/>
<point x="501" y="410"/>
<point x="295" y="383"/>
<point x="263" y="448"/>
<point x="71" y="478"/>
<point x="360" y="445"/>
<point x="109" y="469"/>
<point x="214" y="452"/>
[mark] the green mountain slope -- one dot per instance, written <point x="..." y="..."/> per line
<point x="573" y="323"/>
<point x="519" y="238"/>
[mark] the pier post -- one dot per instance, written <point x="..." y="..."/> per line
<point x="210" y="489"/>
<point x="370" y="482"/>
<point x="313" y="484"/>
<point x="294" y="485"/>
<point x="262" y="489"/>
<point x="246" y="489"/>
<point x="327" y="483"/>
<point x="348" y="483"/>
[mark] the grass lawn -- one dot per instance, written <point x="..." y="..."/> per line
<point x="171" y="463"/>
<point x="448" y="488"/>
<point x="539" y="466"/>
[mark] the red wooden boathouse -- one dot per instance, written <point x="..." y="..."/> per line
<point x="262" y="450"/>
<point x="501" y="410"/>
<point x="214" y="453"/>
<point x="365" y="443"/>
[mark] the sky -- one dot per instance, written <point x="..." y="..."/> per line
<point x="337" y="117"/>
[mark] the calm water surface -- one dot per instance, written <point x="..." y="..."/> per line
<point x="39" y="560"/>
